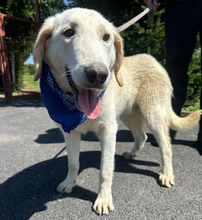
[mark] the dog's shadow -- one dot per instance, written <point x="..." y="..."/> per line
<point x="28" y="191"/>
<point x="55" y="136"/>
<point x="126" y="136"/>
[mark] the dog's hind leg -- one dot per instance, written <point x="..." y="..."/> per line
<point x="159" y="127"/>
<point x="73" y="148"/>
<point x="135" y="124"/>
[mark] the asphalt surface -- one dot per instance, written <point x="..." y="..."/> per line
<point x="33" y="162"/>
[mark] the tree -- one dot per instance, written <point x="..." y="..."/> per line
<point x="26" y="8"/>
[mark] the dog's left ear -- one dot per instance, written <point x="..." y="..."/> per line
<point x="118" y="42"/>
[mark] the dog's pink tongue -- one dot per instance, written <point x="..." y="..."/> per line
<point x="89" y="102"/>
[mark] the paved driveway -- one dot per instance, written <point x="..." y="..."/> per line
<point x="33" y="162"/>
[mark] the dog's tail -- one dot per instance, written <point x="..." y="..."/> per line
<point x="181" y="124"/>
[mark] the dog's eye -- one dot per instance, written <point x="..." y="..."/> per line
<point x="69" y="33"/>
<point x="106" y="37"/>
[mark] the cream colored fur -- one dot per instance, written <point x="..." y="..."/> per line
<point x="143" y="93"/>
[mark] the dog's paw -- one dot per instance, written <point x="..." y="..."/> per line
<point x="166" y="180"/>
<point x="103" y="206"/>
<point x="128" y="155"/>
<point x="66" y="186"/>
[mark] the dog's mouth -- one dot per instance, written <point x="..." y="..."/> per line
<point x="87" y="100"/>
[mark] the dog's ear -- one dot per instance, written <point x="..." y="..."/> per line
<point x="118" y="42"/>
<point x="39" y="46"/>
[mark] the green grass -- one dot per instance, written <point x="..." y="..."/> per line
<point x="191" y="108"/>
<point x="27" y="85"/>
<point x="28" y="80"/>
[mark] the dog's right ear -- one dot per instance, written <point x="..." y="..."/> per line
<point x="39" y="47"/>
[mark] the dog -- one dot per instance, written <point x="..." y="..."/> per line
<point x="84" y="54"/>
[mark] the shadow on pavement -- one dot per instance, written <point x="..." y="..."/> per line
<point x="51" y="136"/>
<point x="192" y="144"/>
<point x="55" y="136"/>
<point x="28" y="191"/>
<point x="122" y="136"/>
<point x="26" y="103"/>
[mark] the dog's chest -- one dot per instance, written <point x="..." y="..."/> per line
<point x="88" y="125"/>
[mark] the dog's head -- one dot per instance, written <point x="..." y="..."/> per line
<point x="82" y="48"/>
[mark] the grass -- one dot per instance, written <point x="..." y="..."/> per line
<point x="28" y="81"/>
<point x="191" y="108"/>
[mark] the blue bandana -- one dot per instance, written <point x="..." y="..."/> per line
<point x="61" y="106"/>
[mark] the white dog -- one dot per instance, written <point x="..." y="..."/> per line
<point x="79" y="54"/>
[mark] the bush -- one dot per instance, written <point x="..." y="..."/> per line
<point x="195" y="80"/>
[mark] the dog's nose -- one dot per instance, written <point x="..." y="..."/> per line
<point x="97" y="73"/>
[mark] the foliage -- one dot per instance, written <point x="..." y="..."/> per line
<point x="21" y="8"/>
<point x="194" y="107"/>
<point x="28" y="69"/>
<point x="143" y="39"/>
<point x="26" y="8"/>
<point x="2" y="6"/>
<point x="195" y="80"/>
<point x="51" y="7"/>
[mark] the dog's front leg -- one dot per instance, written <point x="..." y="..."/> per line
<point x="107" y="135"/>
<point x="73" y="148"/>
